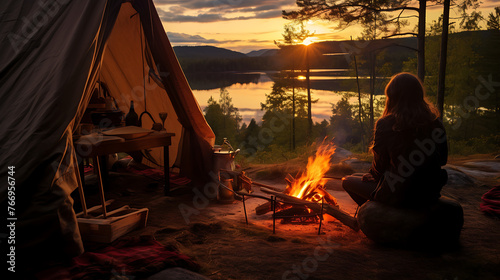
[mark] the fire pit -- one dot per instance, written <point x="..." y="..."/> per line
<point x="305" y="198"/>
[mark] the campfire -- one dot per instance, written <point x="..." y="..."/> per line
<point x="311" y="184"/>
<point x="305" y="198"/>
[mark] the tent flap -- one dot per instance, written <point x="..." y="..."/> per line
<point x="52" y="54"/>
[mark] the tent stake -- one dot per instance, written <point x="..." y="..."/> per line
<point x="273" y="205"/>
<point x="321" y="215"/>
<point x="245" y="209"/>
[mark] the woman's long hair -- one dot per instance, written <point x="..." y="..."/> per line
<point x="406" y="102"/>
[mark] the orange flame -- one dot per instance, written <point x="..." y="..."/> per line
<point x="307" y="184"/>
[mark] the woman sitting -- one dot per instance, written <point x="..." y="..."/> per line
<point x="409" y="148"/>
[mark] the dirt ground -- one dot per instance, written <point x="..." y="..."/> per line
<point x="218" y="238"/>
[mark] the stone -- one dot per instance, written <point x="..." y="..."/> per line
<point x="177" y="273"/>
<point x="457" y="177"/>
<point x="438" y="225"/>
<point x="340" y="154"/>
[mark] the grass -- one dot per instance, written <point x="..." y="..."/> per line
<point x="480" y="145"/>
<point x="275" y="162"/>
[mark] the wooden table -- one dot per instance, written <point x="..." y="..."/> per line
<point x="99" y="146"/>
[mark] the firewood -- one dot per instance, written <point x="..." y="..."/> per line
<point x="247" y="195"/>
<point x="245" y="179"/>
<point x="266" y="208"/>
<point x="266" y="186"/>
<point x="328" y="197"/>
<point x="333" y="211"/>
<point x="332" y="177"/>
<point x="296" y="210"/>
<point x="309" y="196"/>
<point x="244" y="182"/>
<point x="263" y="208"/>
<point x="240" y="179"/>
<point x="290" y="181"/>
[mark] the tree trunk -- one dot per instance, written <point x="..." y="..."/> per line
<point x="372" y="88"/>
<point x="421" y="40"/>
<point x="293" y="109"/>
<point x="309" y="111"/>
<point x="442" y="58"/>
<point x="360" y="110"/>
<point x="373" y="56"/>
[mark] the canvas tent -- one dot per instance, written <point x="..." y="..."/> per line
<point x="52" y="55"/>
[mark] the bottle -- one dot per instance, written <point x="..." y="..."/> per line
<point x="131" y="118"/>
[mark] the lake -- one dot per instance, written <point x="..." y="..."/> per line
<point x="249" y="89"/>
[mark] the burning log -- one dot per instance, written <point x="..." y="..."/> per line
<point x="307" y="190"/>
<point x="333" y="211"/>
<point x="328" y="197"/>
<point x="266" y="208"/>
<point x="297" y="215"/>
<point x="290" y="181"/>
<point x="263" y="208"/>
<point x="289" y="178"/>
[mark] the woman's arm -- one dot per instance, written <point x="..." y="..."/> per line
<point x="380" y="151"/>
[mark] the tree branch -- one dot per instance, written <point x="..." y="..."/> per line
<point x="325" y="8"/>
<point x="397" y="18"/>
<point x="394" y="45"/>
<point x="415" y="9"/>
<point x="400" y="34"/>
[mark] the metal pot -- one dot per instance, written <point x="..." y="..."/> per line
<point x="223" y="160"/>
<point x="226" y="195"/>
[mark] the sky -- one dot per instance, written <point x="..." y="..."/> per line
<point x="246" y="25"/>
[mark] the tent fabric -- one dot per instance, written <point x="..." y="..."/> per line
<point x="196" y="153"/>
<point x="52" y="53"/>
<point x="126" y="79"/>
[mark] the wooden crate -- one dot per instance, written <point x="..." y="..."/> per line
<point x="118" y="223"/>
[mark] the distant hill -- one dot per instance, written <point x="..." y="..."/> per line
<point x="263" y="52"/>
<point x="321" y="55"/>
<point x="213" y="59"/>
<point x="206" y="52"/>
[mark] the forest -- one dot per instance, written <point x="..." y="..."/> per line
<point x="471" y="109"/>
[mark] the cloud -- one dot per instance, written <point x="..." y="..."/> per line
<point x="219" y="10"/>
<point x="175" y="37"/>
<point x="170" y="16"/>
<point x="226" y="4"/>
<point x="248" y="110"/>
<point x="490" y="4"/>
<point x="211" y="17"/>
<point x="177" y="9"/>
<point x="187" y="38"/>
<point x="257" y="41"/>
<point x="269" y="14"/>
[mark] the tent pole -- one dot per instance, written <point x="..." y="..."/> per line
<point x="82" y="194"/>
<point x="97" y="167"/>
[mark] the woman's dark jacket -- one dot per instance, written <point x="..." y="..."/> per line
<point x="407" y="163"/>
